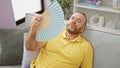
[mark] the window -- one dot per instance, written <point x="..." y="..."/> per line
<point x="21" y="7"/>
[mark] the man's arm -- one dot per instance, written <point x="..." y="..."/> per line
<point x="30" y="40"/>
<point x="88" y="58"/>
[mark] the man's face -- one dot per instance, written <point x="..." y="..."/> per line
<point x="76" y="24"/>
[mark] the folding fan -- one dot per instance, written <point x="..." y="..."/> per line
<point x="52" y="22"/>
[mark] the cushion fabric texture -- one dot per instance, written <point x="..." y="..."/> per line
<point x="11" y="46"/>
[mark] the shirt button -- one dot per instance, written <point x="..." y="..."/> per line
<point x="34" y="66"/>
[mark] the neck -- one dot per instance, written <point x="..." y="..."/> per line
<point x="71" y="36"/>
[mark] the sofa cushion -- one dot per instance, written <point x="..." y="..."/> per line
<point x="28" y="20"/>
<point x="106" y="44"/>
<point x="11" y="46"/>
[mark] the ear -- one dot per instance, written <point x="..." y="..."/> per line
<point x="82" y="29"/>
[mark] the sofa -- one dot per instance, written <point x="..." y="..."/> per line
<point x="105" y="43"/>
<point x="11" y="47"/>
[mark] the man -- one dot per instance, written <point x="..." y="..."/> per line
<point x="68" y="50"/>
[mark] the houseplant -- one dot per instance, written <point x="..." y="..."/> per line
<point x="67" y="6"/>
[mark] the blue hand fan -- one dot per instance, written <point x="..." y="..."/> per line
<point x="52" y="22"/>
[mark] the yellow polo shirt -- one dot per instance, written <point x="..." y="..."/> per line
<point x="63" y="53"/>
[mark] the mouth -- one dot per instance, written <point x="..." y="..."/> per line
<point x="71" y="27"/>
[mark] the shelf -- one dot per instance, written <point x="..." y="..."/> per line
<point x="102" y="8"/>
<point x="103" y="29"/>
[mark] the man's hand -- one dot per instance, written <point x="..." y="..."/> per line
<point x="35" y="23"/>
<point x="30" y="41"/>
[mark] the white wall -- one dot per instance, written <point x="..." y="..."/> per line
<point x="6" y="14"/>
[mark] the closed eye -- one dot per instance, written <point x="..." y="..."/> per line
<point x="78" y="20"/>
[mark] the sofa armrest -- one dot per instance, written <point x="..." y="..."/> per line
<point x="28" y="56"/>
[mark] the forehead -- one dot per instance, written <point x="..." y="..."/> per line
<point x="78" y="15"/>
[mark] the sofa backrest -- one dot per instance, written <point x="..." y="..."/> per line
<point x="106" y="45"/>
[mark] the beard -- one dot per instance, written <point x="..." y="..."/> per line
<point x="72" y="30"/>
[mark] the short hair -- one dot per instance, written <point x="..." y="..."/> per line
<point x="83" y="15"/>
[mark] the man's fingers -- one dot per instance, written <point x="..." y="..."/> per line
<point x="38" y="17"/>
<point x="36" y="23"/>
<point x="34" y="27"/>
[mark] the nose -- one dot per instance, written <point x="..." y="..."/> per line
<point x="73" y="21"/>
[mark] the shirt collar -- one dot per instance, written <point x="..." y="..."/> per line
<point x="77" y="39"/>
